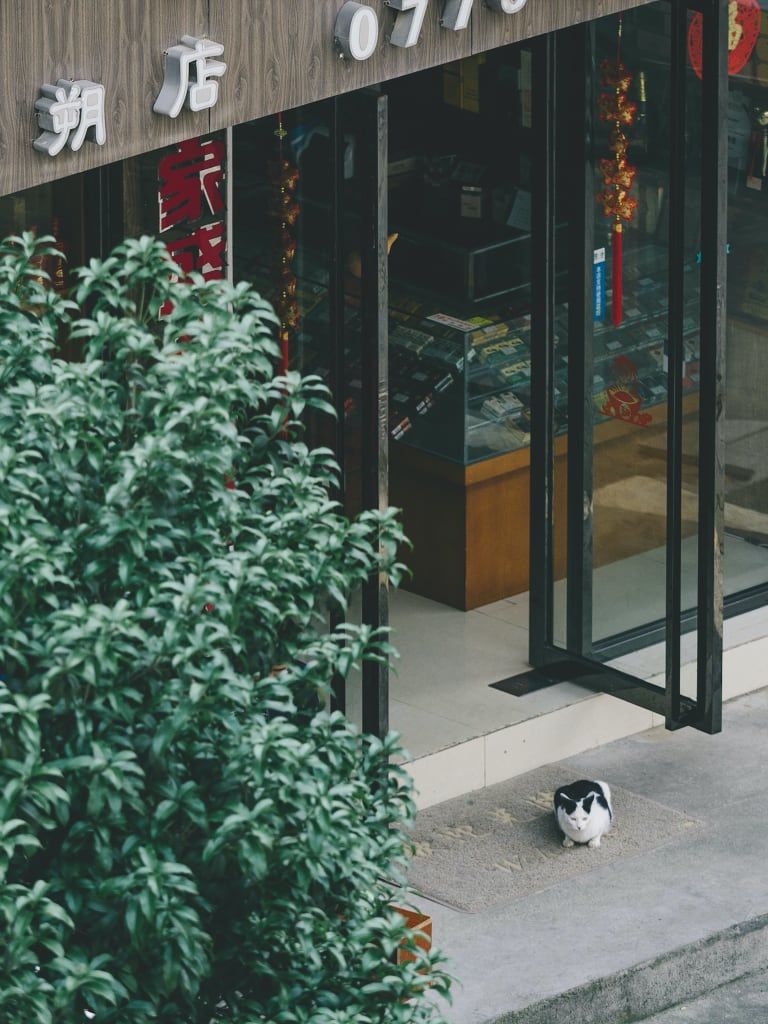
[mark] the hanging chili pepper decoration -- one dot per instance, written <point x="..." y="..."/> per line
<point x="285" y="212"/>
<point x="56" y="266"/>
<point x="616" y="109"/>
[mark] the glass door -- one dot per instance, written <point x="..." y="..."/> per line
<point x="310" y="232"/>
<point x="627" y="440"/>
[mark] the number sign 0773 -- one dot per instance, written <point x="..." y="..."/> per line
<point x="357" y="26"/>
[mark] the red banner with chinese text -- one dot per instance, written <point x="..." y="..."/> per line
<point x="192" y="205"/>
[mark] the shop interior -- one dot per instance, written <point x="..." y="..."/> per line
<point x="460" y="187"/>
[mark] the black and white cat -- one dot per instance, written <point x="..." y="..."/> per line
<point x="583" y="812"/>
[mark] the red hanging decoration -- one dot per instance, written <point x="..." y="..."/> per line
<point x="285" y="211"/>
<point x="615" y="108"/>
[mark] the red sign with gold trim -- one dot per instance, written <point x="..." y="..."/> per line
<point x="744" y="19"/>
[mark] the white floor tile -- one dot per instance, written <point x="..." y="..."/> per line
<point x="423" y="732"/>
<point x="512" y="610"/>
<point x="448" y="659"/>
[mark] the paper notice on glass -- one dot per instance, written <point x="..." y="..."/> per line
<point x="520" y="214"/>
<point x="451" y="321"/>
<point x="598" y="284"/>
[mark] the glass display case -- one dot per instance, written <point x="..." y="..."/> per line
<point x="460" y="387"/>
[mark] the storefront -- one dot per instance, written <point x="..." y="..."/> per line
<point x="506" y="254"/>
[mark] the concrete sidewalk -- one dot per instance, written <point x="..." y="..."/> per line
<point x="641" y="933"/>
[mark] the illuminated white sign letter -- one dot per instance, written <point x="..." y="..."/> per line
<point x="507" y="6"/>
<point x="190" y="75"/>
<point x="456" y="14"/>
<point x="357" y="31"/>
<point x="408" y="21"/>
<point x="66" y="112"/>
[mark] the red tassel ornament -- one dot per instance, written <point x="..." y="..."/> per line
<point x="285" y="211"/>
<point x="617" y="281"/>
<point x="615" y="108"/>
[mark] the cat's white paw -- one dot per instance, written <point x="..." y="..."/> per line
<point x="568" y="843"/>
<point x="593" y="844"/>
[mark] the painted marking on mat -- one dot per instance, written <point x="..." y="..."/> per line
<point x="510" y="866"/>
<point x="461" y="832"/>
<point x="544" y="799"/>
<point x="522" y="862"/>
<point x="503" y="815"/>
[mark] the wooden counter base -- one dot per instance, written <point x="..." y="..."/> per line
<point x="469" y="525"/>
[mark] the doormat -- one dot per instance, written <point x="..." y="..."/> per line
<point x="501" y="844"/>
<point x="539" y="678"/>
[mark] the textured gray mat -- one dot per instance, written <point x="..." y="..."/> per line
<point x="501" y="843"/>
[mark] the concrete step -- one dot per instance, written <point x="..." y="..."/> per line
<point x="679" y="976"/>
<point x="741" y="1002"/>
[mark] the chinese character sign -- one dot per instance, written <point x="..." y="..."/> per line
<point x="66" y="112"/>
<point x="192" y="206"/>
<point x="191" y="181"/>
<point x="203" y="250"/>
<point x="190" y="76"/>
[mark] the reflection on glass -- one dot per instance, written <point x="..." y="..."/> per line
<point x="692" y="409"/>
<point x="281" y="220"/>
<point x="55" y="209"/>
<point x="630" y="384"/>
<point x="746" y="460"/>
<point x="629" y="439"/>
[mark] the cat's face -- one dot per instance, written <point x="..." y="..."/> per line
<point x="577" y="813"/>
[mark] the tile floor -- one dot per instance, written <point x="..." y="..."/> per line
<point x="439" y="689"/>
<point x="448" y="659"/>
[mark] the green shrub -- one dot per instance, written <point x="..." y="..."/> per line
<point x="186" y="835"/>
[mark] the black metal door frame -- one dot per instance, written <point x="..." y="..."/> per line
<point x="364" y="116"/>
<point x="571" y="52"/>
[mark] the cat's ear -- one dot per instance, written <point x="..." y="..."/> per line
<point x="606" y="791"/>
<point x="604" y="799"/>
<point x="587" y="805"/>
